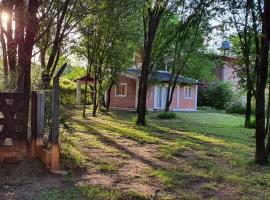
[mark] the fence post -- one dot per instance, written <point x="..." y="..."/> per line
<point x="33" y="124"/>
<point x="55" y="154"/>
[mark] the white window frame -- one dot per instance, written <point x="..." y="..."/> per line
<point x="187" y="88"/>
<point x="121" y="84"/>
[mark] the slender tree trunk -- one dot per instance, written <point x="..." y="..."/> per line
<point x="108" y="103"/>
<point x="262" y="72"/>
<point x="168" y="104"/>
<point x="85" y="100"/>
<point x="267" y="124"/>
<point x="142" y="105"/>
<point x="268" y="112"/>
<point x="151" y="23"/>
<point x="95" y="103"/>
<point x="5" y="60"/>
<point x="248" y="108"/>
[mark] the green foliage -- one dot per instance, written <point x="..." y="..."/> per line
<point x="73" y="73"/>
<point x="167" y="115"/>
<point x="252" y="122"/>
<point x="216" y="95"/>
<point x="210" y="109"/>
<point x="67" y="92"/>
<point x="235" y="108"/>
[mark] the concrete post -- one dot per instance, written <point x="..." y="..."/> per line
<point x="55" y="154"/>
<point x="78" y="93"/>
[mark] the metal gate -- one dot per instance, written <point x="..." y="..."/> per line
<point x="13" y="119"/>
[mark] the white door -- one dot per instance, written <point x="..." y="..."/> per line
<point x="161" y="96"/>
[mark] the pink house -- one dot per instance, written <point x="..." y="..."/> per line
<point x="124" y="94"/>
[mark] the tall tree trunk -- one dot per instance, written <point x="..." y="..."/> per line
<point x="151" y="23"/>
<point x="262" y="72"/>
<point x="25" y="53"/>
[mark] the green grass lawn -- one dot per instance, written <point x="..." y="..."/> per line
<point x="195" y="156"/>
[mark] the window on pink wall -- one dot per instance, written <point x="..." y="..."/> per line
<point x="187" y="92"/>
<point x="121" y="90"/>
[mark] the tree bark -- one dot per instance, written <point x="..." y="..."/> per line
<point x="248" y="108"/>
<point x="262" y="73"/>
<point x="108" y="103"/>
<point x="5" y="60"/>
<point x="151" y="23"/>
<point x="25" y="56"/>
<point x="95" y="103"/>
<point x="85" y="100"/>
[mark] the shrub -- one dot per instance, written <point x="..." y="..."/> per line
<point x="210" y="109"/>
<point x="134" y="119"/>
<point x="235" y="108"/>
<point x="216" y="95"/>
<point x="166" y="115"/>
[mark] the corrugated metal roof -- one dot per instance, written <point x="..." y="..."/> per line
<point x="163" y="76"/>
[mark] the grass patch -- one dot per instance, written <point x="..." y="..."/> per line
<point x="56" y="194"/>
<point x="98" y="193"/>
<point x="71" y="155"/>
<point x="208" y="153"/>
<point x="105" y="166"/>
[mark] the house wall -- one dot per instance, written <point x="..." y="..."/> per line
<point x="179" y="103"/>
<point x="127" y="102"/>
<point x="187" y="104"/>
<point x="229" y="75"/>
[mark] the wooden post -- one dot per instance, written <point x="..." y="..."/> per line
<point x="55" y="154"/>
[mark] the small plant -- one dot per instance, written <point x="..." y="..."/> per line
<point x="167" y="115"/>
<point x="252" y="122"/>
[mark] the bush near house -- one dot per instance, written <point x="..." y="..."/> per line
<point x="68" y="92"/>
<point x="235" y="108"/>
<point x="216" y="96"/>
<point x="167" y="115"/>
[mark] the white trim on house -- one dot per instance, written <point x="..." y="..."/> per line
<point x="121" y="84"/>
<point x="155" y="97"/>
<point x="196" y="99"/>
